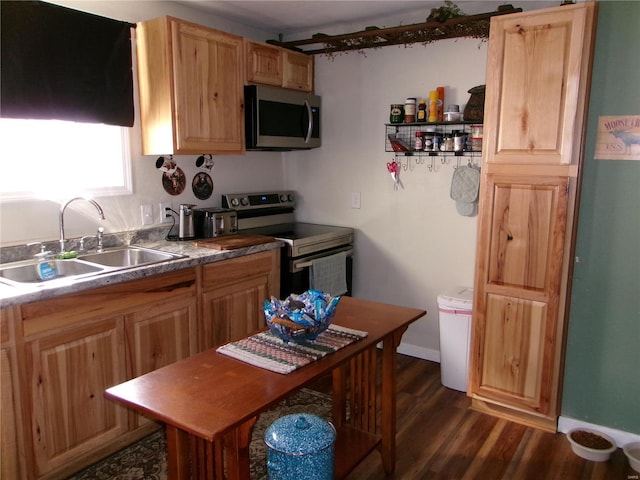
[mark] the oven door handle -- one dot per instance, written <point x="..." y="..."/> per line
<point x="302" y="264"/>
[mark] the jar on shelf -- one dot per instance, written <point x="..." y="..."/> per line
<point x="458" y="141"/>
<point x="397" y="113"/>
<point x="437" y="141"/>
<point x="428" y="139"/>
<point x="476" y="144"/>
<point x="476" y="131"/>
<point x="410" y="110"/>
<point x="447" y="143"/>
<point x="419" y="141"/>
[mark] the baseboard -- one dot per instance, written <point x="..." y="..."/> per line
<point x="419" y="352"/>
<point x="620" y="436"/>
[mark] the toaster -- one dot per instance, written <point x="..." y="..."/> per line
<point x="215" y="222"/>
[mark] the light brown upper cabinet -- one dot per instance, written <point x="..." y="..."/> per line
<point x="271" y="65"/>
<point x="538" y="73"/>
<point x="191" y="88"/>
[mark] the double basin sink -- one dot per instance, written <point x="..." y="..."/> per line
<point x="86" y="265"/>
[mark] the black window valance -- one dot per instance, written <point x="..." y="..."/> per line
<point x="60" y="63"/>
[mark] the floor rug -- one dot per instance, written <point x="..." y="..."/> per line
<point x="146" y="459"/>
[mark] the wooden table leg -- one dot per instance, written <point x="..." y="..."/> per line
<point x="177" y="454"/>
<point x="338" y="409"/>
<point x="388" y="425"/>
<point x="236" y="445"/>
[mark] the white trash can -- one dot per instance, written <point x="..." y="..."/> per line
<point x="455" y="308"/>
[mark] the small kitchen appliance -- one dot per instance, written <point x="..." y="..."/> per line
<point x="214" y="222"/>
<point x="186" y="228"/>
<point x="272" y="214"/>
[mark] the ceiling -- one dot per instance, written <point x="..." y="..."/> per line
<point x="288" y="17"/>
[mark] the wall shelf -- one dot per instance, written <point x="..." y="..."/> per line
<point x="473" y="26"/>
<point x="405" y="133"/>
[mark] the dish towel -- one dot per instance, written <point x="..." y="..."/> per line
<point x="329" y="274"/>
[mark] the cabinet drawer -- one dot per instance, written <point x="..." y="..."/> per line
<point x="66" y="310"/>
<point x="238" y="269"/>
<point x="8" y="317"/>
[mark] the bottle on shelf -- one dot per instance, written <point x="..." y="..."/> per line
<point x="433" y="106"/>
<point x="422" y="111"/>
<point x="440" y="107"/>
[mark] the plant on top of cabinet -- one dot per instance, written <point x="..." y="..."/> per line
<point x="191" y="88"/>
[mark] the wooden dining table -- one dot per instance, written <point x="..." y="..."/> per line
<point x="209" y="402"/>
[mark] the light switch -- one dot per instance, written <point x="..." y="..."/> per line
<point x="355" y="200"/>
<point x="146" y="212"/>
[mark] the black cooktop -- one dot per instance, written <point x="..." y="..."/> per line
<point x="299" y="231"/>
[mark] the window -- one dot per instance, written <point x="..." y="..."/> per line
<point x="55" y="159"/>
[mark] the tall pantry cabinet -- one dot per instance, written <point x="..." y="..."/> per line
<point x="538" y="74"/>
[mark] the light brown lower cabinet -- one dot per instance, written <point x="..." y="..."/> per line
<point x="12" y="462"/>
<point x="233" y="293"/>
<point x="72" y="348"/>
<point x="517" y="330"/>
<point x="159" y="335"/>
<point x="67" y="372"/>
<point x="59" y="355"/>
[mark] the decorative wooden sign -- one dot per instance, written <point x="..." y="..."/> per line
<point x="618" y="138"/>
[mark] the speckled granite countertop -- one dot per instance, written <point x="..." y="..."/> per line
<point x="12" y="295"/>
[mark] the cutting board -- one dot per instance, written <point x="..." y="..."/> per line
<point x="231" y="242"/>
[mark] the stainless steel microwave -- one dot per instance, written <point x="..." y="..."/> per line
<point x="281" y="119"/>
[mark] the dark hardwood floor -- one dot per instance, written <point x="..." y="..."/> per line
<point x="439" y="437"/>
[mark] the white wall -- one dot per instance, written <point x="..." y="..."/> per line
<point x="411" y="244"/>
<point x="37" y="220"/>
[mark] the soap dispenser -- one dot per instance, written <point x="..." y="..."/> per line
<point x="46" y="267"/>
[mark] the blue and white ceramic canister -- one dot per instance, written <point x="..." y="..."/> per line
<point x="300" y="446"/>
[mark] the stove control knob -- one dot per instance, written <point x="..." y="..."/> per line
<point x="290" y="197"/>
<point x="245" y="201"/>
<point x="283" y="197"/>
<point x="235" y="202"/>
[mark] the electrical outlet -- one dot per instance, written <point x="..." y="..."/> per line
<point x="355" y="200"/>
<point x="146" y="213"/>
<point x="165" y="217"/>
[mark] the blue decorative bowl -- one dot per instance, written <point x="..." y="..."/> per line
<point x="300" y="318"/>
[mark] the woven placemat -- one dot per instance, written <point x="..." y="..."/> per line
<point x="267" y="351"/>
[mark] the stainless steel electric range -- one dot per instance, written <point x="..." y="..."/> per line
<point x="272" y="213"/>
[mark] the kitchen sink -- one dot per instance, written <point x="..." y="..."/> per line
<point x="127" y="257"/>
<point x="25" y="272"/>
<point x="92" y="264"/>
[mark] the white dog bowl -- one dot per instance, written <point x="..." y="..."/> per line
<point x="632" y="451"/>
<point x="588" y="453"/>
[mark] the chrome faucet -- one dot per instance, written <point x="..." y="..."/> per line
<point x="99" y="237"/>
<point x="94" y="203"/>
